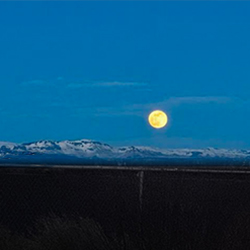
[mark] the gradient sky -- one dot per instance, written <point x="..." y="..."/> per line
<point x="95" y="70"/>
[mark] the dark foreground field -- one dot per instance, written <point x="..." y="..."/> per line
<point x="117" y="208"/>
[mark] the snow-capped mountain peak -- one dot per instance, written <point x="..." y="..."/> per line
<point x="87" y="149"/>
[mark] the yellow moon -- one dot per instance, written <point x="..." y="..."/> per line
<point x="157" y="119"/>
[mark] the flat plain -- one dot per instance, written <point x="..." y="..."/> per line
<point x="155" y="208"/>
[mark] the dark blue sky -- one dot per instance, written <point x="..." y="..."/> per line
<point x="94" y="70"/>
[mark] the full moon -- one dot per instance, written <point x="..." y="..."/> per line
<point x="157" y="119"/>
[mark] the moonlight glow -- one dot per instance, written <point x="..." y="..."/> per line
<point x="157" y="119"/>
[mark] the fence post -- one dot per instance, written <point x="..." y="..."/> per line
<point x="141" y="175"/>
<point x="141" y="179"/>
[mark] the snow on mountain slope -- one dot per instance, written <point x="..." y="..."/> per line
<point x="88" y="148"/>
<point x="7" y="144"/>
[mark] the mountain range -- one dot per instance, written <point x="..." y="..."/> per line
<point x="93" y="152"/>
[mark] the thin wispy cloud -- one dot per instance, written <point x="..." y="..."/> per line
<point x="78" y="85"/>
<point x="56" y="82"/>
<point x="197" y="99"/>
<point x="35" y="83"/>
<point x="177" y="101"/>
<point x="62" y="83"/>
<point x="119" y="84"/>
<point x="137" y="109"/>
<point x="143" y="109"/>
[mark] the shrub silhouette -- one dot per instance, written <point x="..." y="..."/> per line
<point x="61" y="233"/>
<point x="10" y="241"/>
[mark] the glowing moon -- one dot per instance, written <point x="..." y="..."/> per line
<point x="157" y="119"/>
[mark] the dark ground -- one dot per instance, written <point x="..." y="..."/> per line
<point x="171" y="209"/>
